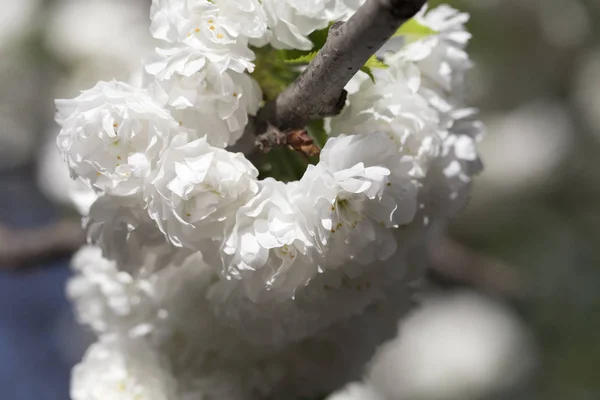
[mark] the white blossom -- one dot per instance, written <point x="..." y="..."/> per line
<point x="329" y="297"/>
<point x="96" y="31"/>
<point x="269" y="244"/>
<point x="460" y="346"/>
<point x="205" y="282"/>
<point x="331" y="9"/>
<point x="126" y="234"/>
<point x="446" y="188"/>
<point x="290" y="22"/>
<point x="441" y="57"/>
<point x="523" y="151"/>
<point x="109" y="300"/>
<point x="356" y="391"/>
<point x="17" y="20"/>
<point x="393" y="105"/>
<point x="219" y="29"/>
<point x="206" y="357"/>
<point x="122" y="369"/>
<point x="360" y="190"/>
<point x="215" y="103"/>
<point x="112" y="136"/>
<point x="197" y="191"/>
<point x="54" y="180"/>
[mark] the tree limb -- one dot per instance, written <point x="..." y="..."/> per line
<point x="319" y="91"/>
<point x="22" y="249"/>
<point x="456" y="263"/>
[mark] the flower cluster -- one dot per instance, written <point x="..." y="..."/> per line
<point x="197" y="260"/>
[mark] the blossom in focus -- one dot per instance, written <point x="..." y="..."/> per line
<point x="216" y="103"/>
<point x="112" y="136"/>
<point x="359" y="191"/>
<point x="393" y="105"/>
<point x="290" y="22"/>
<point x="440" y="57"/>
<point x="269" y="240"/>
<point x="197" y="191"/>
<point x="219" y="30"/>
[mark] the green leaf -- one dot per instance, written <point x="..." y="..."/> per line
<point x="285" y="165"/>
<point x="320" y="37"/>
<point x="272" y="73"/>
<point x="303" y="59"/>
<point x="368" y="72"/>
<point x="413" y="30"/>
<point x="373" y="63"/>
<point x="316" y="129"/>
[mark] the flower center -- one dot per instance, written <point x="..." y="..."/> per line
<point x="347" y="213"/>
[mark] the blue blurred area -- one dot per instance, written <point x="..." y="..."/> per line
<point x="34" y="312"/>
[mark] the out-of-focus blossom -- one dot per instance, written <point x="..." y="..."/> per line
<point x="356" y="391"/>
<point x="55" y="181"/>
<point x="523" y="149"/>
<point x="121" y="369"/>
<point x="16" y="19"/>
<point x="458" y="346"/>
<point x="564" y="24"/>
<point x="109" y="30"/>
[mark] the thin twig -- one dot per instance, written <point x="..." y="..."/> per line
<point x="319" y="91"/>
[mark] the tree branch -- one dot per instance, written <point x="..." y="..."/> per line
<point x="22" y="249"/>
<point x="456" y="263"/>
<point x="319" y="90"/>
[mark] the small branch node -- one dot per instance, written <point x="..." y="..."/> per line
<point x="300" y="140"/>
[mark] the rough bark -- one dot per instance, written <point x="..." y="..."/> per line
<point x="319" y="90"/>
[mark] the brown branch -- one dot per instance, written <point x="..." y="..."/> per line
<point x="458" y="263"/>
<point x="21" y="249"/>
<point x="298" y="140"/>
<point x="319" y="90"/>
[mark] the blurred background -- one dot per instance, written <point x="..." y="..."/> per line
<point x="529" y="240"/>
